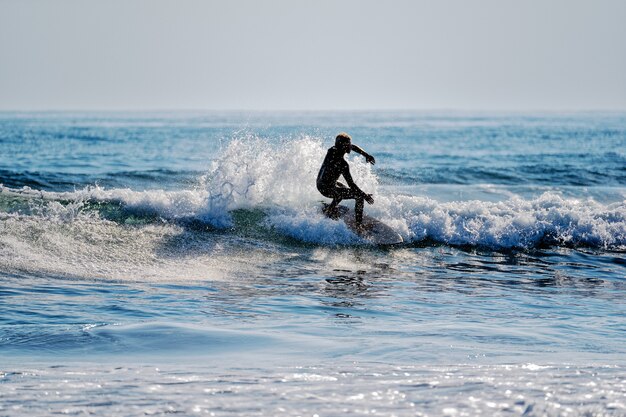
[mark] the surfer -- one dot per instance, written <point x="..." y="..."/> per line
<point x="333" y="167"/>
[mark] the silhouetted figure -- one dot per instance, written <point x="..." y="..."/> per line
<point x="334" y="166"/>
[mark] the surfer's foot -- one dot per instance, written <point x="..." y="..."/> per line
<point x="361" y="228"/>
<point x="331" y="212"/>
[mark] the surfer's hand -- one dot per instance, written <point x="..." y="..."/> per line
<point x="368" y="198"/>
<point x="369" y="158"/>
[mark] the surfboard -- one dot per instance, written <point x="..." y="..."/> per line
<point x="373" y="230"/>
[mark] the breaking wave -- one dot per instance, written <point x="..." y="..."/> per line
<point x="277" y="180"/>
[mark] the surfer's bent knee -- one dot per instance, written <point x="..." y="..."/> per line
<point x="326" y="192"/>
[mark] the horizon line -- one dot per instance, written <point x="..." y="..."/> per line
<point x="317" y="110"/>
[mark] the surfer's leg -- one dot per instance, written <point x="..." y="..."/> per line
<point x="331" y="209"/>
<point x="339" y="193"/>
<point x="344" y="193"/>
<point x="348" y="194"/>
<point x="333" y="205"/>
<point x="358" y="210"/>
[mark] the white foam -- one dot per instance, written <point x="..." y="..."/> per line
<point x="511" y="223"/>
<point x="308" y="225"/>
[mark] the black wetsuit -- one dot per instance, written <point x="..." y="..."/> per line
<point x="333" y="167"/>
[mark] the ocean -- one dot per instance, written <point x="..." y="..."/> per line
<point x="177" y="262"/>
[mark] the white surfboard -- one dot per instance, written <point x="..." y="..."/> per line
<point x="373" y="230"/>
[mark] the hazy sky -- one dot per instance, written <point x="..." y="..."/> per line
<point x="289" y="54"/>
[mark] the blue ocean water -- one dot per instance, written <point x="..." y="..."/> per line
<point x="153" y="263"/>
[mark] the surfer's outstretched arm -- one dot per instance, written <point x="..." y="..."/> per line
<point x="369" y="158"/>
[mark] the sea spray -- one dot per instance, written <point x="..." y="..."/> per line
<point x="253" y="172"/>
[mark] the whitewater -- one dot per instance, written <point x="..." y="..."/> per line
<point x="148" y="250"/>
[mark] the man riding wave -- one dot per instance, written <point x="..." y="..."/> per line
<point x="333" y="167"/>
